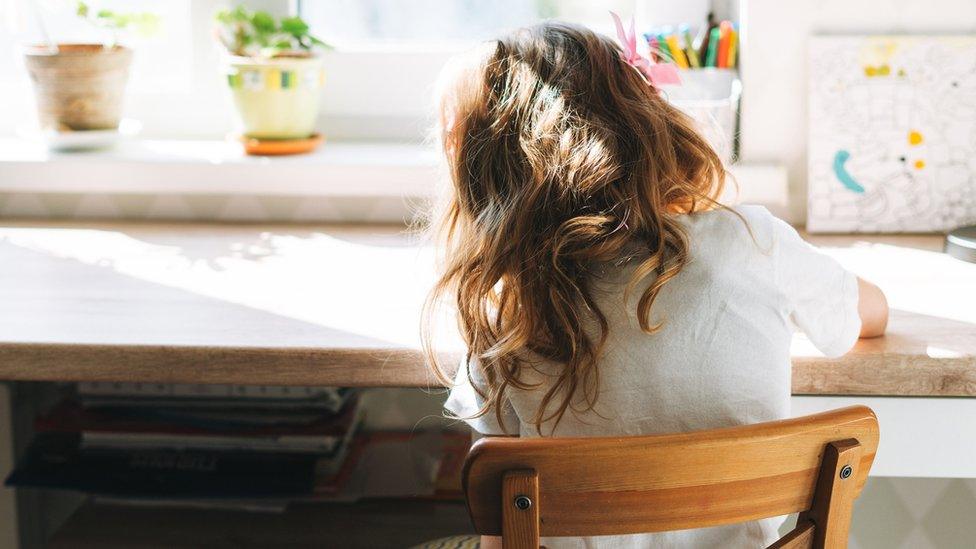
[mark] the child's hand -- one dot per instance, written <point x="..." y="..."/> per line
<point x="872" y="306"/>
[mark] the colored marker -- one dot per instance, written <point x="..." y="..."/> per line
<point x="704" y="37"/>
<point x="662" y="43"/>
<point x="712" y="56"/>
<point x="679" y="54"/>
<point x="733" y="46"/>
<point x="725" y="33"/>
<point x="690" y="52"/>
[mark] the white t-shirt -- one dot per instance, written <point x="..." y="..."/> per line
<point x="722" y="357"/>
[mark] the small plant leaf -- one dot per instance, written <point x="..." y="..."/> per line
<point x="142" y="23"/>
<point x="294" y="26"/>
<point x="258" y="33"/>
<point x="263" y="22"/>
<point x="318" y="42"/>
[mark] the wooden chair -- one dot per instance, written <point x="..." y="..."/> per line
<point x="816" y="465"/>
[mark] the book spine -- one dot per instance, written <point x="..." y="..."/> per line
<point x="133" y="441"/>
<point x="162" y="473"/>
<point x="186" y="390"/>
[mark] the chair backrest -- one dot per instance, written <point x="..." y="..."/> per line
<point x="521" y="488"/>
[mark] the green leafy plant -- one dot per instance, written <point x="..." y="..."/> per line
<point x="143" y="24"/>
<point x="258" y="34"/>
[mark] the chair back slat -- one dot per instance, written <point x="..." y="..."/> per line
<point x="800" y="538"/>
<point x="627" y="485"/>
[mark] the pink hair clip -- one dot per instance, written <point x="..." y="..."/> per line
<point x="656" y="74"/>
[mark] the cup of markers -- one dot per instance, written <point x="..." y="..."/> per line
<point x="716" y="46"/>
<point x="709" y="90"/>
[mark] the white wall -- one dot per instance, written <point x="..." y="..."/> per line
<point x="774" y="60"/>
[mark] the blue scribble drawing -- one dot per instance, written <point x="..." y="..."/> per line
<point x="840" y="171"/>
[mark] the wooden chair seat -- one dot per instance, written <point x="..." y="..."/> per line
<point x="816" y="465"/>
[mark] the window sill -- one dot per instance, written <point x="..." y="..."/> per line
<point x="362" y="169"/>
<point x="219" y="167"/>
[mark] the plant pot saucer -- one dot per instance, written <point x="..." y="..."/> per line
<point x="83" y="140"/>
<point x="278" y="147"/>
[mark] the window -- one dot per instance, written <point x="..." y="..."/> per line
<point x="441" y="24"/>
<point x="388" y="49"/>
<point x="166" y="68"/>
<point x="161" y="64"/>
<point x="378" y="79"/>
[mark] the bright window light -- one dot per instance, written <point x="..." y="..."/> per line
<point x="442" y="24"/>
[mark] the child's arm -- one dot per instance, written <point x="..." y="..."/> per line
<point x="828" y="303"/>
<point x="872" y="306"/>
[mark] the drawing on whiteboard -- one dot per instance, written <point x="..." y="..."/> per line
<point x="892" y="133"/>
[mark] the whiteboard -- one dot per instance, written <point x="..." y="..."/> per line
<point x="892" y="133"/>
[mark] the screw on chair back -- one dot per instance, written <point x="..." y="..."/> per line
<point x="522" y="488"/>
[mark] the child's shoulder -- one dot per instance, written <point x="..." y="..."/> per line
<point x="747" y="235"/>
<point x="744" y="223"/>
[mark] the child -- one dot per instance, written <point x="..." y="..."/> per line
<point x="600" y="288"/>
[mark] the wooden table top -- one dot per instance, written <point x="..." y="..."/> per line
<point x="339" y="305"/>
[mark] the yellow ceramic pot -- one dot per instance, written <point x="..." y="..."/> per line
<point x="276" y="98"/>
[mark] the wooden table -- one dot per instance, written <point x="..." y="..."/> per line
<point x="339" y="305"/>
<point x="331" y="305"/>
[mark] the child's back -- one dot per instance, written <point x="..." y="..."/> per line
<point x="600" y="288"/>
<point x="721" y="358"/>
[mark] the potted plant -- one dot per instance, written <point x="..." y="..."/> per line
<point x="275" y="75"/>
<point x="80" y="87"/>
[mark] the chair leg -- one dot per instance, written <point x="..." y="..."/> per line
<point x="520" y="510"/>
<point x="833" y="499"/>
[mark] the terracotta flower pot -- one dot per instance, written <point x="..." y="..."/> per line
<point x="80" y="86"/>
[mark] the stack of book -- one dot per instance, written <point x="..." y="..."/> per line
<point x="193" y="441"/>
